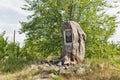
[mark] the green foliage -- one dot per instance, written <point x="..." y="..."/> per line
<point x="12" y="49"/>
<point x="12" y="64"/>
<point x="12" y="57"/>
<point x="3" y="43"/>
<point x="43" y="28"/>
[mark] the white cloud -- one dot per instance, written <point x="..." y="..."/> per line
<point x="11" y="14"/>
<point x="14" y="5"/>
<point x="0" y="30"/>
<point x="113" y="11"/>
<point x="20" y="38"/>
<point x="9" y="27"/>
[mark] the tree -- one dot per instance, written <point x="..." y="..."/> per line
<point x="3" y="43"/>
<point x="43" y="29"/>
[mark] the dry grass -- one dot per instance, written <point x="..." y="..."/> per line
<point x="95" y="72"/>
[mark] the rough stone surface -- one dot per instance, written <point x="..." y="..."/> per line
<point x="78" y="43"/>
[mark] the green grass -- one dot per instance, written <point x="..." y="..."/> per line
<point x="58" y="78"/>
<point x="13" y="64"/>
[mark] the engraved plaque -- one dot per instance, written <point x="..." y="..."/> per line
<point x="68" y="39"/>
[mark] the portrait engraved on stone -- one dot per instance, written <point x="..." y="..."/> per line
<point x="68" y="36"/>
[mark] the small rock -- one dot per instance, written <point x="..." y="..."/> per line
<point x="47" y="65"/>
<point x="79" y="70"/>
<point x="54" y="62"/>
<point x="39" y="67"/>
<point x="66" y="67"/>
<point x="59" y="64"/>
<point x="61" y="69"/>
<point x="56" y="68"/>
<point x="86" y="65"/>
<point x="67" y="60"/>
<point x="101" y="66"/>
<point x="52" y="75"/>
<point x="33" y="66"/>
<point x="90" y="70"/>
<point x="44" y="61"/>
<point x="45" y="75"/>
<point x="111" y="67"/>
<point x="43" y="79"/>
<point x="73" y="63"/>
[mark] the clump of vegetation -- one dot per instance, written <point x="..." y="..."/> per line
<point x="58" y="78"/>
<point x="12" y="57"/>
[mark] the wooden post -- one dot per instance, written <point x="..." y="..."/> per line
<point x="14" y="36"/>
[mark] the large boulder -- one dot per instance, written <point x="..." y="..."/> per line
<point x="74" y="37"/>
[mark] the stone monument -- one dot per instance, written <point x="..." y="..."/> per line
<point x="73" y="49"/>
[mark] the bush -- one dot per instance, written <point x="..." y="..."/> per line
<point x="12" y="57"/>
<point x="3" y="44"/>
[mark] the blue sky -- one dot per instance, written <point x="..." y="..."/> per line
<point x="11" y="13"/>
